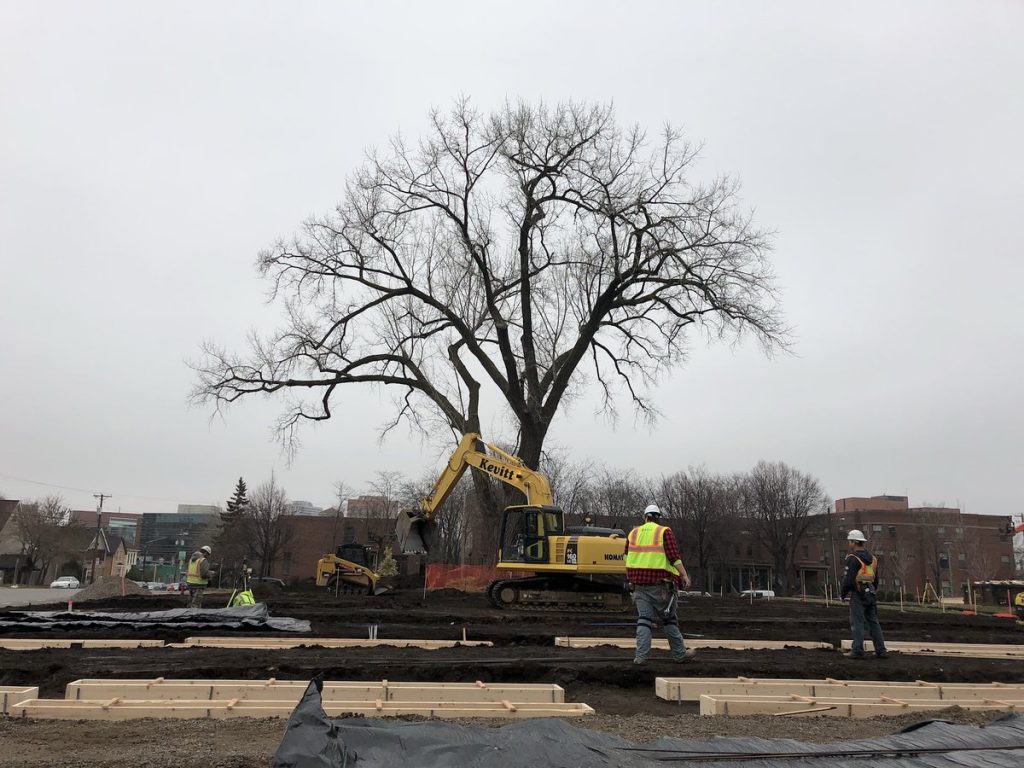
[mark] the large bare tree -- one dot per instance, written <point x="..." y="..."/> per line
<point x="271" y="530"/>
<point x="46" y="533"/>
<point x="705" y="506"/>
<point x="780" y="500"/>
<point x="502" y="262"/>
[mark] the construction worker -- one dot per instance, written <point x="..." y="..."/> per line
<point x="861" y="585"/>
<point x="655" y="573"/>
<point x="197" y="577"/>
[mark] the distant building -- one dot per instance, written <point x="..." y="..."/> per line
<point x="920" y="546"/>
<point x="106" y="555"/>
<point x="170" y="538"/>
<point x="124" y="524"/>
<point x="303" y="508"/>
<point x="199" y="509"/>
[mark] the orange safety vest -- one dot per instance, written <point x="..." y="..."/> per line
<point x="866" y="574"/>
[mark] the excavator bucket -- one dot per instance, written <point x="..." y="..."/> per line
<point x="415" y="534"/>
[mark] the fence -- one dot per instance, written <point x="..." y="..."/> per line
<point x="467" y="578"/>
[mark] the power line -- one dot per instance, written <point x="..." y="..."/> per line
<point x="87" y="490"/>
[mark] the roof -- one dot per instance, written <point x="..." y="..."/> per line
<point x="7" y="507"/>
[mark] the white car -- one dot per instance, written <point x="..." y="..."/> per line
<point x="766" y="593"/>
<point x="65" y="582"/>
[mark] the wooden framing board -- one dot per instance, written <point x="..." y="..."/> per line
<point x="128" y="709"/>
<point x="321" y="642"/>
<point x="973" y="650"/>
<point x="840" y="707"/>
<point x="662" y="644"/>
<point x="15" y="694"/>
<point x="35" y="644"/>
<point x="162" y="689"/>
<point x="692" y="688"/>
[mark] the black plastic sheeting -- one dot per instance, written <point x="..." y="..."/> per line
<point x="240" y="617"/>
<point x="312" y="740"/>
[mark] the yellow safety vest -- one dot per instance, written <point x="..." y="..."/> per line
<point x="194" y="574"/>
<point x="647" y="548"/>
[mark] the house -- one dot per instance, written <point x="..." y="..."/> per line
<point x="106" y="555"/>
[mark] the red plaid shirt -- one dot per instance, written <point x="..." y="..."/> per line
<point x="647" y="576"/>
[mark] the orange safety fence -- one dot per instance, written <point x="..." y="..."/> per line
<point x="467" y="578"/>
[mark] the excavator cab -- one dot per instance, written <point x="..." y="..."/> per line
<point x="525" y="533"/>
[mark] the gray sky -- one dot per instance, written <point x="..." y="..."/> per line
<point x="149" y="150"/>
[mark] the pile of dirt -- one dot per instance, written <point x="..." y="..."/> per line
<point x="106" y="587"/>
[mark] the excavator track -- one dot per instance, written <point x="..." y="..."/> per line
<point x="541" y="593"/>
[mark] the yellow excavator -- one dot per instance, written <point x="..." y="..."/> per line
<point x="352" y="568"/>
<point x="575" y="567"/>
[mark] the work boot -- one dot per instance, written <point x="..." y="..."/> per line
<point x="882" y="655"/>
<point x="639" y="662"/>
<point x="690" y="653"/>
<point x="854" y="655"/>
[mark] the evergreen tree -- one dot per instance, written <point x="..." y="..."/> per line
<point x="232" y="542"/>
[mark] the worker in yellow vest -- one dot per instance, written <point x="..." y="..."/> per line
<point x="860" y="584"/>
<point x="197" y="577"/>
<point x="655" y="573"/>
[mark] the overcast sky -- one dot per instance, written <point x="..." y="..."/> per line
<point x="149" y="150"/>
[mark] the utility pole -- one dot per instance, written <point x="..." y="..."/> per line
<point x="99" y="526"/>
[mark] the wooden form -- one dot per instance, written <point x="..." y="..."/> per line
<point x="320" y="642"/>
<point x="796" y="705"/>
<point x="35" y="644"/>
<point x="161" y="689"/>
<point x="14" y="694"/>
<point x="129" y="709"/>
<point x="662" y="643"/>
<point x="692" y="688"/>
<point x="971" y="650"/>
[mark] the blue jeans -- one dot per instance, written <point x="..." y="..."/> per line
<point x="865" y="611"/>
<point x="657" y="602"/>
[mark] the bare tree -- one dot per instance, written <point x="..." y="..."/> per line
<point x="507" y="257"/>
<point x="271" y="530"/>
<point x="452" y="518"/>
<point x="45" y="531"/>
<point x="705" y="506"/>
<point x="619" y="496"/>
<point x="341" y="494"/>
<point x="900" y="562"/>
<point x="383" y="509"/>
<point x="780" y="501"/>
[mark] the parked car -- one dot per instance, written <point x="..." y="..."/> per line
<point x="270" y="580"/>
<point x="179" y="587"/>
<point x="65" y="582"/>
<point x="768" y="593"/>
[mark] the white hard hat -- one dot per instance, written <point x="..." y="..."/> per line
<point x="205" y="549"/>
<point x="855" y="535"/>
<point x="652" y="510"/>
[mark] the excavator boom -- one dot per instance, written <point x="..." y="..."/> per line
<point x="415" y="527"/>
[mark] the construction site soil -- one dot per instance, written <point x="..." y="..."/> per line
<point x="603" y="677"/>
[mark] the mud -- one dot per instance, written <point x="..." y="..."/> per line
<point x="603" y="677"/>
<point x="444" y="614"/>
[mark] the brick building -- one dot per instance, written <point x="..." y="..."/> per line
<point x="917" y="546"/>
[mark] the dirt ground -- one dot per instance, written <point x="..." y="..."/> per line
<point x="603" y="677"/>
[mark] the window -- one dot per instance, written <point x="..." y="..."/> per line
<point x="943" y="560"/>
<point x="350" y="534"/>
<point x="947" y="589"/>
<point x="1004" y="559"/>
<point x="807" y="552"/>
<point x="876" y="529"/>
<point x="892" y="531"/>
<point x="961" y="557"/>
<point x="942" y="529"/>
<point x="736" y="550"/>
<point x="897" y="582"/>
<point x="959" y="531"/>
<point x="750" y="550"/>
<point x="287" y="564"/>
